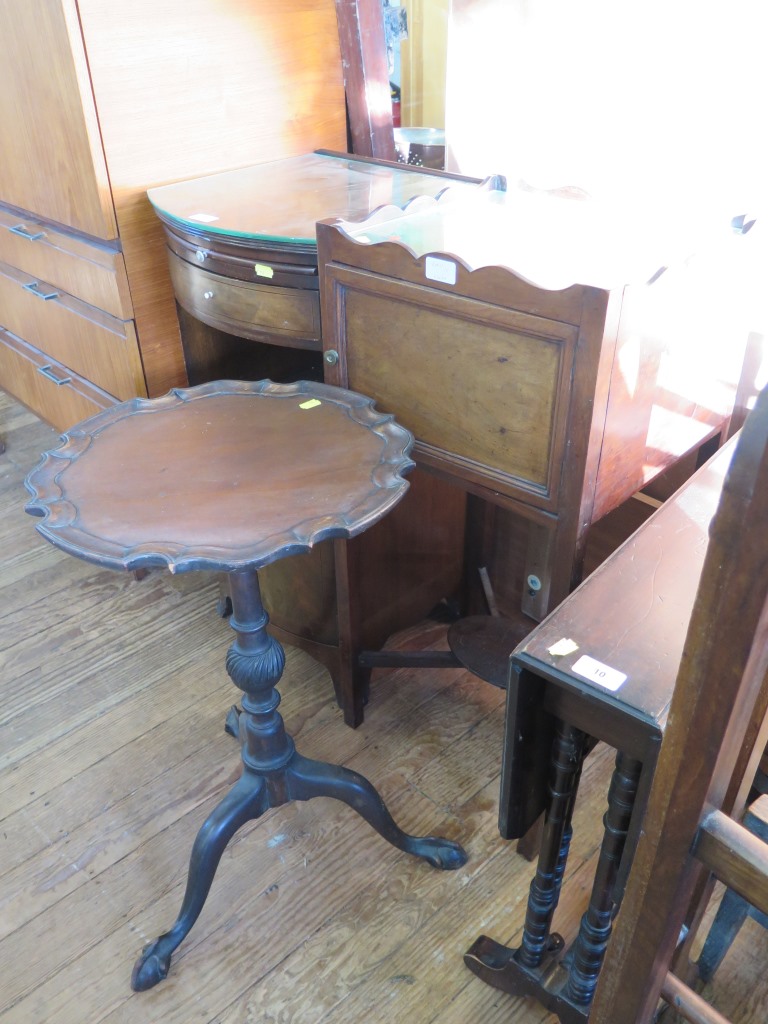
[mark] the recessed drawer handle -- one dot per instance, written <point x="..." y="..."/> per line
<point x="31" y="236"/>
<point x="34" y="289"/>
<point x="48" y="373"/>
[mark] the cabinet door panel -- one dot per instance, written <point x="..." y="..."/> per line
<point x="485" y="390"/>
<point x="49" y="120"/>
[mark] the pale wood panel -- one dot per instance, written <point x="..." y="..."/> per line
<point x="92" y="343"/>
<point x="154" y="307"/>
<point x="91" y="272"/>
<point x="423" y="63"/>
<point x="66" y="403"/>
<point x="264" y="80"/>
<point x="49" y="120"/>
<point x="185" y="89"/>
<point x="312" y="919"/>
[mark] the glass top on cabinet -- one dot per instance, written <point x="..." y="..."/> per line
<point x="281" y="201"/>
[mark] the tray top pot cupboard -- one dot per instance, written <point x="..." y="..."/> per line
<point x="231" y="476"/>
<point x="551" y="358"/>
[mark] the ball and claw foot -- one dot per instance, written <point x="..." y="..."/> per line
<point x="151" y="967"/>
<point x="440" y="853"/>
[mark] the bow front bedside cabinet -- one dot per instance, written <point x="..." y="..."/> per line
<point x="242" y="255"/>
<point x="229" y="477"/>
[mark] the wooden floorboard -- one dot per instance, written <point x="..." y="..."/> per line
<point x="112" y="751"/>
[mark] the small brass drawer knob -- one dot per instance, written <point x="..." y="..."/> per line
<point x="331" y="356"/>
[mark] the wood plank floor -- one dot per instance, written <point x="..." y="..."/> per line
<point x="112" y="750"/>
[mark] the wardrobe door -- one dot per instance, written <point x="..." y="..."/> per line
<point x="48" y="119"/>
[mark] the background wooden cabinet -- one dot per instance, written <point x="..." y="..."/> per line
<point x="98" y="102"/>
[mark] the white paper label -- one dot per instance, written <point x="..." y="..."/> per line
<point x="440" y="270"/>
<point x="563" y="647"/>
<point x="598" y="673"/>
<point x="203" y="218"/>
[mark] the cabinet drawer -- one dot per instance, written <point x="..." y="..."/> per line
<point x="45" y="386"/>
<point x="88" y="341"/>
<point x="251" y="262"/>
<point x="282" y="316"/>
<point x="91" y="272"/>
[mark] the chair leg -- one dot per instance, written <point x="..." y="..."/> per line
<point x="733" y="909"/>
<point x="730" y="916"/>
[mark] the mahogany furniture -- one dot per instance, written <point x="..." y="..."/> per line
<point x="242" y="253"/>
<point x="98" y="102"/>
<point x="715" y="738"/>
<point x="550" y="357"/>
<point x="605" y="665"/>
<point x="364" y="60"/>
<point x="231" y="476"/>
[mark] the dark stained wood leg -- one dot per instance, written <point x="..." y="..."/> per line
<point x="567" y="755"/>
<point x="246" y="800"/>
<point x="352" y="679"/>
<point x="731" y="915"/>
<point x="351" y="689"/>
<point x="586" y="955"/>
<point x="273" y="774"/>
<point x="307" y="779"/>
<point x="537" y="578"/>
<point x="565" y="985"/>
<point x="535" y="968"/>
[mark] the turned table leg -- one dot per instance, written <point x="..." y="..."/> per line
<point x="567" y="758"/>
<point x="586" y="955"/>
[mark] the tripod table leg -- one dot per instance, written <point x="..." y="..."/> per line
<point x="246" y="800"/>
<point x="308" y="778"/>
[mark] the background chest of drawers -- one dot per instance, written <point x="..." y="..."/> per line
<point x="99" y="102"/>
<point x="66" y="349"/>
